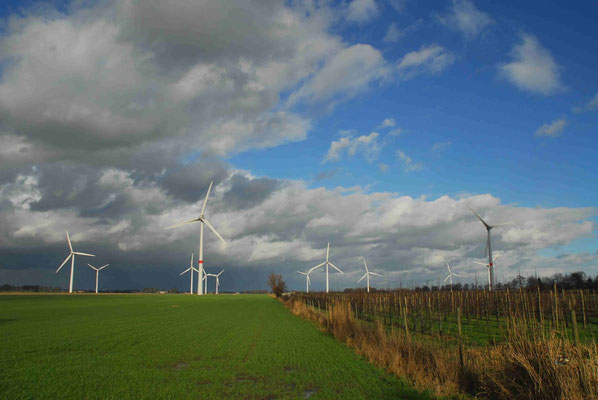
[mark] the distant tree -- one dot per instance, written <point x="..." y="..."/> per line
<point x="277" y="284"/>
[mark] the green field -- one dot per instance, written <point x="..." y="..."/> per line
<point x="175" y="347"/>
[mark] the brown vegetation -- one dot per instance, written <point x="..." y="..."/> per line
<point x="529" y="363"/>
<point x="277" y="284"/>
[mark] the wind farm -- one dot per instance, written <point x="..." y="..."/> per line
<point x="272" y="200"/>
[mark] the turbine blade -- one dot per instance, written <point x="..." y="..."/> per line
<point x="195" y="269"/>
<point x="214" y="230"/>
<point x="503" y="224"/>
<point x="83" y="254"/>
<point x="446" y="279"/>
<point x="456" y="274"/>
<point x="220" y="273"/>
<point x="93" y="267"/>
<point x="317" y="266"/>
<point x="364" y="275"/>
<point x="191" y="260"/>
<point x="366" y="265"/>
<point x="184" y="271"/>
<point x="183" y="223"/>
<point x="449" y="268"/>
<point x="480" y="218"/>
<point x="68" y="239"/>
<point x="206" y="199"/>
<point x="484" y="264"/>
<point x="64" y="262"/>
<point x="487" y="241"/>
<point x="104" y="266"/>
<point x="373" y="273"/>
<point x="334" y="266"/>
<point x="327" y="251"/>
<point x="302" y="273"/>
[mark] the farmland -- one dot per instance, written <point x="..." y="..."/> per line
<point x="176" y="346"/>
<point x="500" y="345"/>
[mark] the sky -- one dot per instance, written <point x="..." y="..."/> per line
<point x="373" y="125"/>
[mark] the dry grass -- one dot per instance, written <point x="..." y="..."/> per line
<point x="526" y="366"/>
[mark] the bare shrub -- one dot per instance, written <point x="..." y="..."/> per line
<point x="277" y="284"/>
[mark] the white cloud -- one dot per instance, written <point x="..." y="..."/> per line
<point x="393" y="34"/>
<point x="383" y="167"/>
<point x="440" y="146"/>
<point x="553" y="129"/>
<point x="367" y="145"/>
<point x="430" y="59"/>
<point x="362" y="10"/>
<point x="387" y="123"/>
<point x="591" y="105"/>
<point x="533" y="68"/>
<point x="347" y="74"/>
<point x="466" y="18"/>
<point x="408" y="164"/>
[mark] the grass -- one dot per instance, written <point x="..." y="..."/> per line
<point x="176" y="347"/>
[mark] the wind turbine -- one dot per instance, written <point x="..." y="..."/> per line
<point x="327" y="263"/>
<point x="202" y="219"/>
<point x="217" y="276"/>
<point x="190" y="269"/>
<point x="307" y="280"/>
<point x="71" y="255"/>
<point x="98" y="273"/>
<point x="367" y="274"/>
<point x="488" y="247"/>
<point x="450" y="276"/>
<point x="488" y="266"/>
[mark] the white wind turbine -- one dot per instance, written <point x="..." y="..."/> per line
<point x="367" y="274"/>
<point x="71" y="255"/>
<point x="190" y="270"/>
<point x="202" y="219"/>
<point x="327" y="263"/>
<point x="307" y="280"/>
<point x="488" y="267"/>
<point x="488" y="247"/>
<point x="450" y="276"/>
<point x="217" y="276"/>
<point x="98" y="273"/>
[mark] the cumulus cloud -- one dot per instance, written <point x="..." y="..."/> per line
<point x="362" y="10"/>
<point x="408" y="164"/>
<point x="532" y="68"/>
<point x="348" y="73"/>
<point x="553" y="129"/>
<point x="429" y="59"/>
<point x="367" y="145"/>
<point x="393" y="34"/>
<point x="465" y="17"/>
<point x="387" y="123"/>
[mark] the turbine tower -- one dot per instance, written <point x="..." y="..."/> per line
<point x="367" y="274"/>
<point x="488" y="266"/>
<point x="327" y="263"/>
<point x="450" y="276"/>
<point x="98" y="273"/>
<point x="71" y="255"/>
<point x="488" y="247"/>
<point x="190" y="269"/>
<point x="202" y="219"/>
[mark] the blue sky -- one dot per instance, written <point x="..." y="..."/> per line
<point x="399" y="112"/>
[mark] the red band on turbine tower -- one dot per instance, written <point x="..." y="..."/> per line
<point x="201" y="262"/>
<point x="490" y="263"/>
